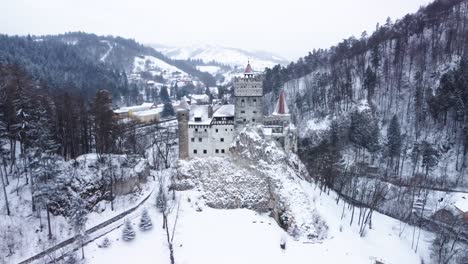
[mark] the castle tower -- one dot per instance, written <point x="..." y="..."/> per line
<point x="183" y="116"/>
<point x="248" y="93"/>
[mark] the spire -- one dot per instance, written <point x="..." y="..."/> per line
<point x="248" y="70"/>
<point x="281" y="107"/>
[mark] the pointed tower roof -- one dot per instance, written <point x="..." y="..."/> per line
<point x="281" y="106"/>
<point x="248" y="69"/>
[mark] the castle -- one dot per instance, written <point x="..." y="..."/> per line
<point x="209" y="130"/>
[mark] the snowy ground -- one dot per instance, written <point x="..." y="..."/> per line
<point x="244" y="236"/>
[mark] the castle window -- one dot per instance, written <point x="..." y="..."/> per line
<point x="196" y="129"/>
<point x="242" y="103"/>
<point x="194" y="151"/>
<point x="242" y="112"/>
<point x="253" y="119"/>
<point x="197" y="119"/>
<point x="216" y="130"/>
<point x="226" y="129"/>
<point x="245" y="120"/>
<point x="204" y="151"/>
<point x="222" y="139"/>
<point x="205" y="129"/>
<point x="193" y="139"/>
<point x="217" y="151"/>
<point x="222" y="151"/>
<point x="199" y="139"/>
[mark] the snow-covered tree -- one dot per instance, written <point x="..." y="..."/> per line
<point x="77" y="220"/>
<point x="128" y="234"/>
<point x="145" y="221"/>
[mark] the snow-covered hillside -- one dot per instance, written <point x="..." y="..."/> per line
<point x="239" y="235"/>
<point x="228" y="56"/>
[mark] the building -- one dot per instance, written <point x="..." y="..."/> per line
<point x="248" y="94"/>
<point x="128" y="111"/>
<point x="461" y="205"/>
<point x="209" y="130"/>
<point x="278" y="126"/>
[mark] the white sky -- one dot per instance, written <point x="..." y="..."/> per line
<point x="289" y="28"/>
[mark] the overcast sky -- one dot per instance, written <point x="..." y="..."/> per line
<point x="289" y="28"/>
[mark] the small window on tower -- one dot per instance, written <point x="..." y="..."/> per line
<point x="222" y="151"/>
<point x="204" y="151"/>
<point x="193" y="139"/>
<point x="216" y="130"/>
<point x="242" y="112"/>
<point x="199" y="139"/>
<point x="217" y="151"/>
<point x="253" y="120"/>
<point x="222" y="139"/>
<point x="194" y="151"/>
<point x="196" y="129"/>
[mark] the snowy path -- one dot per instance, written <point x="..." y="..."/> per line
<point x="104" y="57"/>
<point x="93" y="233"/>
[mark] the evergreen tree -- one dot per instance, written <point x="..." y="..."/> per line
<point x="161" y="200"/>
<point x="128" y="234"/>
<point x="145" y="221"/>
<point x="77" y="219"/>
<point x="167" y="111"/>
<point x="104" y="122"/>
<point x="164" y="95"/>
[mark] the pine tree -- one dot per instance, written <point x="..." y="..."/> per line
<point x="128" y="234"/>
<point x="164" y="95"/>
<point x="145" y="221"/>
<point x="168" y="110"/>
<point x="161" y="200"/>
<point x="77" y="219"/>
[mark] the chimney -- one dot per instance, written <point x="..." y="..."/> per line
<point x="210" y="111"/>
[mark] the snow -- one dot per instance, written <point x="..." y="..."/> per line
<point x="244" y="236"/>
<point x="461" y="201"/>
<point x="225" y="111"/>
<point x="199" y="111"/>
<point x="139" y="64"/>
<point x="213" y="70"/>
<point x="104" y="57"/>
<point x="224" y="55"/>
<point x="150" y="112"/>
<point x="134" y="108"/>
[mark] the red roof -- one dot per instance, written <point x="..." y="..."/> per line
<point x="281" y="104"/>
<point x="248" y="69"/>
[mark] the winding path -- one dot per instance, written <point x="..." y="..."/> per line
<point x="92" y="233"/>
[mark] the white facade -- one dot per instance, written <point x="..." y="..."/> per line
<point x="210" y="134"/>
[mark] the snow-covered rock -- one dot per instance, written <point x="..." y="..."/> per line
<point x="256" y="175"/>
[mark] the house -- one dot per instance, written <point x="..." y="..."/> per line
<point x="199" y="99"/>
<point x="461" y="205"/>
<point x="148" y="116"/>
<point x="128" y="111"/>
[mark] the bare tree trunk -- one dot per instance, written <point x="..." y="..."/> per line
<point x="5" y="194"/>
<point x="48" y="222"/>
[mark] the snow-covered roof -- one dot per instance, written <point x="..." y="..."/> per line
<point x="199" y="111"/>
<point x="213" y="90"/>
<point x="183" y="105"/>
<point x="150" y="112"/>
<point x="200" y="97"/>
<point x="225" y="111"/>
<point x="133" y="108"/>
<point x="461" y="202"/>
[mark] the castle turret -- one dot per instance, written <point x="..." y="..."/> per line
<point x="248" y="93"/>
<point x="183" y="119"/>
